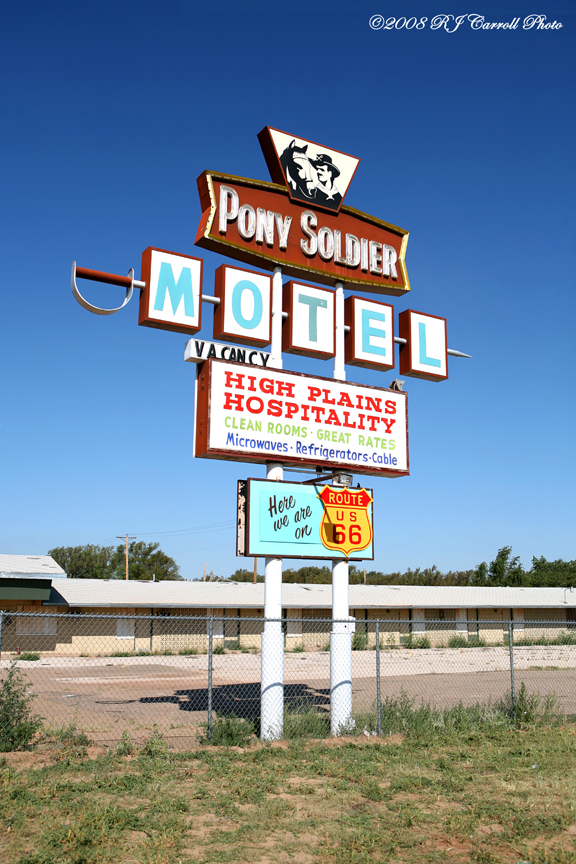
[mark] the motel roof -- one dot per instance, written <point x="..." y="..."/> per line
<point x="246" y="595"/>
<point x="30" y="567"/>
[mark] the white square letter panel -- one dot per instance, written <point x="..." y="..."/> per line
<point x="425" y="354"/>
<point x="310" y="326"/>
<point x="245" y="309"/>
<point x="172" y="297"/>
<point x="370" y="340"/>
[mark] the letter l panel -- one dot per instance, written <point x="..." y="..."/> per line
<point x="425" y="354"/>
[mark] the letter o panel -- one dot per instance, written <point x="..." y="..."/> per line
<point x="310" y="328"/>
<point x="425" y="354"/>
<point x="370" y="340"/>
<point x="172" y="298"/>
<point x="244" y="313"/>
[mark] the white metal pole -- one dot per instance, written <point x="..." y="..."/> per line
<point x="341" y="635"/>
<point x="272" y="669"/>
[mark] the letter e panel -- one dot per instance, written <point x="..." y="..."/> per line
<point x="370" y="340"/>
<point x="244" y="313"/>
<point x="172" y="298"/>
<point x="310" y="328"/>
<point x="425" y="354"/>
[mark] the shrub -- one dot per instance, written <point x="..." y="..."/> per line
<point x="359" y="640"/>
<point x="29" y="655"/>
<point x="69" y="743"/>
<point x="234" y="646"/>
<point x="219" y="649"/>
<point x="155" y="745"/>
<point x="186" y="652"/>
<point x="125" y="746"/>
<point x="418" y="642"/>
<point x="18" y="725"/>
<point x="228" y="731"/>
<point x="531" y="708"/>
<point x="298" y="649"/>
<point x="458" y="642"/>
<point x="304" y="721"/>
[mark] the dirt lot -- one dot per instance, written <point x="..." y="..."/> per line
<point x="105" y="695"/>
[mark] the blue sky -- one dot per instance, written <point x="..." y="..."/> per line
<point x="110" y="111"/>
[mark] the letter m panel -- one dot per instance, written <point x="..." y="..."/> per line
<point x="172" y="299"/>
<point x="425" y="354"/>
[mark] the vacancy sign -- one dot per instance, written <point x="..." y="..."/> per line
<point x="425" y="354"/>
<point x="171" y="299"/>
<point x="264" y="415"/>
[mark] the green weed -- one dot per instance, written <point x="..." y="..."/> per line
<point x="303" y="721"/>
<point x="187" y="652"/>
<point x="412" y="641"/>
<point x="359" y="640"/>
<point x="18" y="725"/>
<point x="228" y="731"/>
<point x="155" y="745"/>
<point x="125" y="746"/>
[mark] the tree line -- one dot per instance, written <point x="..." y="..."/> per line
<point x="146" y="561"/>
<point x="504" y="570"/>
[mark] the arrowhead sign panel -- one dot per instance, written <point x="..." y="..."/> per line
<point x="346" y="524"/>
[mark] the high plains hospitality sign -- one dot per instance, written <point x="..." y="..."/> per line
<point x="263" y="415"/>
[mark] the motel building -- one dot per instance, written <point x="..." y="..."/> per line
<point x="172" y="616"/>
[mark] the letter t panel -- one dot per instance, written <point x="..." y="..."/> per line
<point x="310" y="328"/>
<point x="425" y="354"/>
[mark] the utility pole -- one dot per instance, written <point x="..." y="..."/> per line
<point x="126" y="538"/>
<point x="255" y="570"/>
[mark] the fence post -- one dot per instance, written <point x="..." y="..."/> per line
<point x="378" y="700"/>
<point x="1" y="626"/>
<point x="210" y="636"/>
<point x="511" y="650"/>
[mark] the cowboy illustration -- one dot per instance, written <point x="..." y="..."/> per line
<point x="311" y="179"/>
<point x="326" y="172"/>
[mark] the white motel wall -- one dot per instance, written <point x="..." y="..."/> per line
<point x="167" y="616"/>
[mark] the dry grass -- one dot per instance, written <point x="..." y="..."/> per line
<point x="493" y="797"/>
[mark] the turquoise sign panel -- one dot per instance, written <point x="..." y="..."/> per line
<point x="283" y="520"/>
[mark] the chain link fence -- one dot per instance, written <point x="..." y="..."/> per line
<point x="175" y="673"/>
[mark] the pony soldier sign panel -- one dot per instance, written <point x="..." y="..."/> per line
<point x="258" y="223"/>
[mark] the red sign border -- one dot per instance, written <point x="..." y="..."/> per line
<point x="202" y="429"/>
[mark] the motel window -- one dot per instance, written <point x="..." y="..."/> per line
<point x="125" y="628"/>
<point x="36" y="626"/>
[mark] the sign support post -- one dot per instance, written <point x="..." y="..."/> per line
<point x="341" y="636"/>
<point x="272" y="657"/>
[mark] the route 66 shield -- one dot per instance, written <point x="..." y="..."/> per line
<point x="347" y="521"/>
